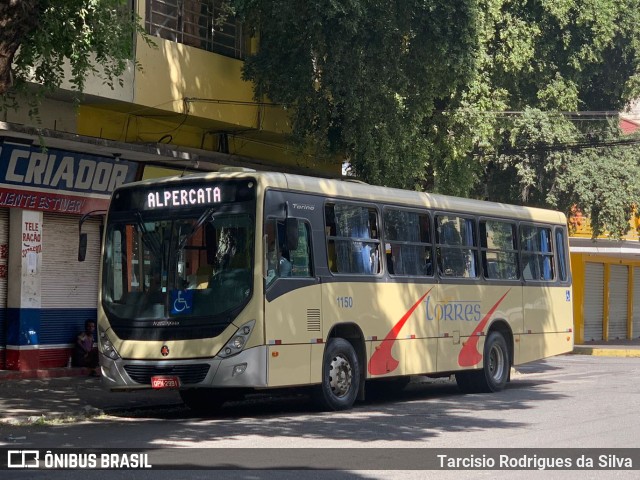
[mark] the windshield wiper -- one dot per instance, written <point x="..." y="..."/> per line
<point x="195" y="227"/>
<point x="148" y="238"/>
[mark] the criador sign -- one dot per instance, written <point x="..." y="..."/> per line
<point x="58" y="180"/>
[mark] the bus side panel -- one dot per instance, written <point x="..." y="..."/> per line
<point x="291" y="327"/>
<point x="542" y="345"/>
<point x="419" y="355"/>
<point x="548" y="323"/>
<point x="399" y="338"/>
<point x="288" y="365"/>
<point x="465" y="314"/>
<point x="315" y="366"/>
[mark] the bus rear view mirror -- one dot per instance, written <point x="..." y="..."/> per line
<point x="82" y="237"/>
<point x="82" y="247"/>
<point x="291" y="227"/>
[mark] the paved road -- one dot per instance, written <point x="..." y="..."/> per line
<point x="564" y="402"/>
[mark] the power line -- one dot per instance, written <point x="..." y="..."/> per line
<point x="567" y="146"/>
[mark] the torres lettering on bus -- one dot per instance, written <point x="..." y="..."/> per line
<point x="460" y="310"/>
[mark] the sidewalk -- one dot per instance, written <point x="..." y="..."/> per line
<point x="67" y="395"/>
<point x="71" y="395"/>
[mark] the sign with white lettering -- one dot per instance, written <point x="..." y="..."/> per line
<point x="184" y="195"/>
<point x="57" y="180"/>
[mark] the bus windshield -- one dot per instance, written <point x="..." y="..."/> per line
<point x="173" y="271"/>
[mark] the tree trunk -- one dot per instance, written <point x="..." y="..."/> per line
<point x="17" y="19"/>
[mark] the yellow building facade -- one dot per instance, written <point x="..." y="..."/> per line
<point x="606" y="285"/>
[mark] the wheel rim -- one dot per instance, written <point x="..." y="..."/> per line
<point x="340" y="376"/>
<point x="497" y="363"/>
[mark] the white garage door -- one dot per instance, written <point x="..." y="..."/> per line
<point x="593" y="301"/>
<point x="618" y="299"/>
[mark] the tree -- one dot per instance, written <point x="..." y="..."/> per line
<point x="37" y="37"/>
<point x="361" y="77"/>
<point x="546" y="62"/>
<point x="470" y="98"/>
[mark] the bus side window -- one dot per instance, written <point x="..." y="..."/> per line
<point x="562" y="255"/>
<point x="300" y="258"/>
<point x="537" y="254"/>
<point x="352" y="239"/>
<point x="498" y="249"/>
<point x="408" y="242"/>
<point x="282" y="262"/>
<point x="456" y="246"/>
<point x="330" y="231"/>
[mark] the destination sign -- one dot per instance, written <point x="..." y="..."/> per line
<point x="183" y="195"/>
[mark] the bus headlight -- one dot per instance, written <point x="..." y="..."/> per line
<point x="106" y="347"/>
<point x="238" y="341"/>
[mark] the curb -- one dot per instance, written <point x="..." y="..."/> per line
<point x="87" y="413"/>
<point x="607" y="352"/>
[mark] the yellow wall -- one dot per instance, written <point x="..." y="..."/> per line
<point x="578" y="268"/>
<point x="190" y="97"/>
<point x="187" y="97"/>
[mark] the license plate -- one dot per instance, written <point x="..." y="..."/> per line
<point x="165" y="382"/>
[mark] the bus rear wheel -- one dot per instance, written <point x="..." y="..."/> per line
<point x="494" y="375"/>
<point x="340" y="376"/>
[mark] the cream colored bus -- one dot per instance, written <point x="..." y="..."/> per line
<point x="222" y="283"/>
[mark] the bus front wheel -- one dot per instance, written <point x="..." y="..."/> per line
<point x="495" y="373"/>
<point x="340" y="376"/>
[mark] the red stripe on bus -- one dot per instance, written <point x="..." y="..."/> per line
<point x="382" y="360"/>
<point x="469" y="354"/>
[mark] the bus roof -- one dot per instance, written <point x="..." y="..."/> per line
<point x="354" y="190"/>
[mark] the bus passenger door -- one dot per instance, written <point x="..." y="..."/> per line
<point x="292" y="302"/>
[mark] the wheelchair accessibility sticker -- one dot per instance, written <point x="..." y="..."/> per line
<point x="181" y="302"/>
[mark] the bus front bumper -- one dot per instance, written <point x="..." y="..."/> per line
<point x="248" y="369"/>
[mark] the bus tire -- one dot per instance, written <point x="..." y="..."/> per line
<point x="203" y="400"/>
<point x="340" y="376"/>
<point x="495" y="373"/>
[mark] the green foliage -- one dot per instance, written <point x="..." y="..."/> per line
<point x="362" y="78"/>
<point x="90" y="36"/>
<point x="579" y="55"/>
<point x="469" y="98"/>
<point x="603" y="183"/>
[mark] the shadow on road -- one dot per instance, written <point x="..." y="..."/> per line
<point x="418" y="413"/>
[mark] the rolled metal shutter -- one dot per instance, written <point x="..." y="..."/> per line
<point x="4" y="275"/>
<point x="69" y="287"/>
<point x="636" y="303"/>
<point x="618" y="299"/>
<point x="593" y="301"/>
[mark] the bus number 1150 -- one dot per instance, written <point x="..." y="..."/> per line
<point x="345" y="302"/>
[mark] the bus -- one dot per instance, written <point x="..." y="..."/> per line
<point x="218" y="284"/>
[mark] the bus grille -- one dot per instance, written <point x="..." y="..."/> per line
<point x="187" y="373"/>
